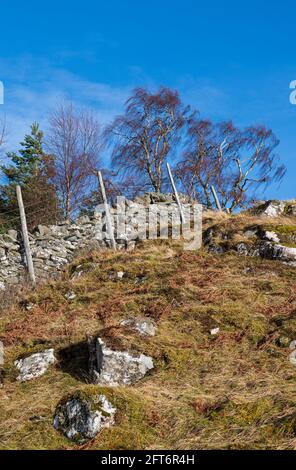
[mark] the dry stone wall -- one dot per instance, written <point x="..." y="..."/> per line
<point x="55" y="245"/>
<point x="51" y="246"/>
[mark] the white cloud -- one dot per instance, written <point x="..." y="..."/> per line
<point x="33" y="89"/>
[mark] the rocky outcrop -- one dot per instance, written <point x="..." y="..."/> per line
<point x="278" y="252"/>
<point x="275" y="242"/>
<point x="275" y="208"/>
<point x="144" y="326"/>
<point x="35" y="365"/>
<point x="109" y="367"/>
<point x="81" y="418"/>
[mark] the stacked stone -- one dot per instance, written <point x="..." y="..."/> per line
<point x="53" y="246"/>
<point x="11" y="259"/>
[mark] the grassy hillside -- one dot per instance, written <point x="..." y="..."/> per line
<point x="234" y="390"/>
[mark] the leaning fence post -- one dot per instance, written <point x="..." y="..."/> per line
<point x="217" y="202"/>
<point x="107" y="211"/>
<point x="25" y="235"/>
<point x="176" y="193"/>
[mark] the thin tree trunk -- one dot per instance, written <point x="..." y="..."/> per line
<point x="68" y="209"/>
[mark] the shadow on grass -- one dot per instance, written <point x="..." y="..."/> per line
<point x="74" y="360"/>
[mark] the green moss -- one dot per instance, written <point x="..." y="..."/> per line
<point x="88" y="394"/>
<point x="252" y="413"/>
<point x="258" y="329"/>
<point x="266" y="413"/>
<point x="281" y="229"/>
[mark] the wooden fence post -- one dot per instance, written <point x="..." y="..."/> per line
<point x="25" y="235"/>
<point x="176" y="194"/>
<point x="108" y="215"/>
<point x="217" y="202"/>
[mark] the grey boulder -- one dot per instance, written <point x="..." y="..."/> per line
<point x="278" y="252"/>
<point x="118" y="367"/>
<point x="82" y="419"/>
<point x="35" y="365"/>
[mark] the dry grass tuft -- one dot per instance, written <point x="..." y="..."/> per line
<point x="235" y="390"/>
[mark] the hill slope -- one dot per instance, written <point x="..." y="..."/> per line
<point x="236" y="389"/>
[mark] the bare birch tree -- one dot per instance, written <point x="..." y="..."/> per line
<point x="145" y="135"/>
<point x="74" y="140"/>
<point x="236" y="162"/>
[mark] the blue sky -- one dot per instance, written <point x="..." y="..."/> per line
<point x="231" y="60"/>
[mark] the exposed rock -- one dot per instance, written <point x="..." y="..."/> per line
<point x="293" y="357"/>
<point x="156" y="198"/>
<point x="250" y="233"/>
<point x="120" y="274"/>
<point x="143" y="325"/>
<point x="271" y="208"/>
<point x="292" y="345"/>
<point x="70" y="295"/>
<point x="271" y="237"/>
<point x="29" y="306"/>
<point x="43" y="230"/>
<point x="82" y="418"/>
<point x="242" y="249"/>
<point x="117" y="367"/>
<point x="130" y="245"/>
<point x="216" y="249"/>
<point x="36" y="418"/>
<point x="35" y="365"/>
<point x="277" y="252"/>
<point x="270" y="241"/>
<point x="215" y="331"/>
<point x="274" y="208"/>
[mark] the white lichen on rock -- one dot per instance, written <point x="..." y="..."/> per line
<point x="271" y="236"/>
<point x="119" y="367"/>
<point x="35" y="365"/>
<point x="82" y="418"/>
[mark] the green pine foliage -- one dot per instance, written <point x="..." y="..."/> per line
<point x="33" y="170"/>
<point x="29" y="161"/>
